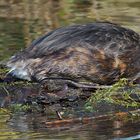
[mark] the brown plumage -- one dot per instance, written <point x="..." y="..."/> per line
<point x="98" y="53"/>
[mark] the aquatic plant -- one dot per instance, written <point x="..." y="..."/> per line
<point x="123" y="93"/>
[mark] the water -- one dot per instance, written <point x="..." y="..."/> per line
<point x="29" y="127"/>
<point x="23" y="21"/>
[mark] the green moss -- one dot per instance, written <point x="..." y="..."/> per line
<point x="19" y="107"/>
<point x="121" y="93"/>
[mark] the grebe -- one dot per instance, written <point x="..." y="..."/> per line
<point x="81" y="55"/>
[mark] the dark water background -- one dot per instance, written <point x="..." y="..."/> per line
<point x="22" y="21"/>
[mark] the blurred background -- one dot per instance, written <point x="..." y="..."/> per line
<point x="22" y="21"/>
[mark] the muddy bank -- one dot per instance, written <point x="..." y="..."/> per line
<point x="76" y="101"/>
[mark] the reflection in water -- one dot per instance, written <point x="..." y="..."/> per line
<point x="32" y="127"/>
<point x="23" y="21"/>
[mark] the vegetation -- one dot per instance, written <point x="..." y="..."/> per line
<point x="121" y="93"/>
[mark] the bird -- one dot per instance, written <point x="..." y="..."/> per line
<point x="80" y="56"/>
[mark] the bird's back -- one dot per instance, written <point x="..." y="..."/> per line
<point x="96" y="52"/>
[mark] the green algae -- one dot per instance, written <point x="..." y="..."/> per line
<point x="122" y="93"/>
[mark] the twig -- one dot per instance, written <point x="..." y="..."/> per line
<point x="6" y="90"/>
